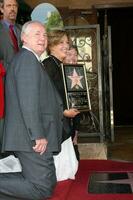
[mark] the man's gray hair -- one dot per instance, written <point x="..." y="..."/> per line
<point x="26" y="27"/>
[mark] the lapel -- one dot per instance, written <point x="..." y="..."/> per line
<point x="18" y="32"/>
<point x="5" y="33"/>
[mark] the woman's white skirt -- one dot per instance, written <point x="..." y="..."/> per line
<point x="66" y="163"/>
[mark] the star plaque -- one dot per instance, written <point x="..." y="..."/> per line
<point x="76" y="87"/>
<point x="111" y="182"/>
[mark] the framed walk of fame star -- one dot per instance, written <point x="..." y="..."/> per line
<point x="76" y="87"/>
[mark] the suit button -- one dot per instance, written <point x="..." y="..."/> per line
<point x="62" y="119"/>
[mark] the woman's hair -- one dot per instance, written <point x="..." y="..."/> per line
<point x="54" y="38"/>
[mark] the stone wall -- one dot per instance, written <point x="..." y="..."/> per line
<point x="93" y="150"/>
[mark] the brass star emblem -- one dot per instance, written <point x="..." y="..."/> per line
<point x="76" y="80"/>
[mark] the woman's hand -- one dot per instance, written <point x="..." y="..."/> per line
<point x="71" y="113"/>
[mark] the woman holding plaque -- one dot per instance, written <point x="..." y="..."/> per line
<point x="58" y="45"/>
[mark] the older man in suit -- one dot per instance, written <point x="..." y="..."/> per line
<point x="9" y="38"/>
<point x="33" y="122"/>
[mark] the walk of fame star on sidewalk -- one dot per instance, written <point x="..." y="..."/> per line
<point x="111" y="182"/>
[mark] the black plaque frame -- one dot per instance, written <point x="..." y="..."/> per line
<point x="76" y="86"/>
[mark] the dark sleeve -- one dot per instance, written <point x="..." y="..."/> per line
<point x="76" y="122"/>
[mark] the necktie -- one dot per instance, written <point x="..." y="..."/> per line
<point x="13" y="38"/>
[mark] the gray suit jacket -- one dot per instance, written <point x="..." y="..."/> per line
<point x="6" y="45"/>
<point x="34" y="108"/>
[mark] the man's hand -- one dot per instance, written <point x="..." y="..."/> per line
<point x="40" y="146"/>
<point x="72" y="112"/>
